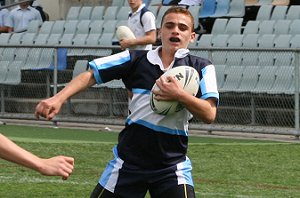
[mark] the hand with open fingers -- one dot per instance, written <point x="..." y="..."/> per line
<point x="47" y="108"/>
<point x="169" y="88"/>
<point x="57" y="166"/>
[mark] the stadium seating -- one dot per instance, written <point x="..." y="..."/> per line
<point x="111" y="13"/>
<point x="13" y="76"/>
<point x="44" y="33"/>
<point x="219" y="26"/>
<point x="266" y="79"/>
<point x="73" y="13"/>
<point x="97" y="13"/>
<point x="264" y="12"/>
<point x="3" y="70"/>
<point x="237" y="9"/>
<point x="284" y="78"/>
<point x="293" y="12"/>
<point x="208" y="8"/>
<point x="251" y="27"/>
<point x="249" y="79"/>
<point x="282" y="26"/>
<point x="85" y="13"/>
<point x="234" y="26"/>
<point x="279" y="12"/>
<point x="233" y="78"/>
<point x="295" y="27"/>
<point x="222" y="9"/>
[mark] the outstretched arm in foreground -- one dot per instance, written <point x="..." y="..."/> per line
<point x="55" y="166"/>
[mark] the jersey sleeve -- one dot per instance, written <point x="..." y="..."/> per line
<point x="148" y="20"/>
<point x="111" y="67"/>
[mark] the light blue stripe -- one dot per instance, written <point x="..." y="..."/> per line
<point x="158" y="128"/>
<point x="96" y="73"/>
<point x="108" y="170"/>
<point x="141" y="91"/>
<point x="187" y="172"/>
<point x="211" y="95"/>
<point x="114" y="62"/>
<point x="202" y="82"/>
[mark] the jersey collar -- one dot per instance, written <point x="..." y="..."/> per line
<point x="153" y="57"/>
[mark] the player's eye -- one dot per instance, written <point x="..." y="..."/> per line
<point x="183" y="27"/>
<point x="170" y="25"/>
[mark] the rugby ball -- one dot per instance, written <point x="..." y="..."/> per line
<point x="188" y="77"/>
<point x="124" y="32"/>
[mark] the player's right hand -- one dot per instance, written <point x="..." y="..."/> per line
<point x="47" y="109"/>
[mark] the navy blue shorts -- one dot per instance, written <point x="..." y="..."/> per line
<point x="121" y="179"/>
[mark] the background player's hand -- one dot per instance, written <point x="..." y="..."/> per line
<point x="169" y="88"/>
<point x="47" y="108"/>
<point x="126" y="43"/>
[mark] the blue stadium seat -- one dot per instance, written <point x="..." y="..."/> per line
<point x="222" y="9"/>
<point x="208" y="8"/>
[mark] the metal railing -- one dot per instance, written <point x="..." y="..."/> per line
<point x="239" y="111"/>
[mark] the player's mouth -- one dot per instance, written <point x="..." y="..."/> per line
<point x="174" y="39"/>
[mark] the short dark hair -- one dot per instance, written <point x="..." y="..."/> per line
<point x="179" y="10"/>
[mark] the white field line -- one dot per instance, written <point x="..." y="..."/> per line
<point x="4" y="179"/>
<point x="22" y="139"/>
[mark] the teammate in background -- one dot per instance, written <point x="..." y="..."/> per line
<point x="21" y="16"/>
<point x="55" y="166"/>
<point x="151" y="150"/>
<point x="38" y="7"/>
<point x="4" y="20"/>
<point x="143" y="27"/>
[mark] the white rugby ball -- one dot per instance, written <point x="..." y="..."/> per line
<point x="124" y="32"/>
<point x="188" y="77"/>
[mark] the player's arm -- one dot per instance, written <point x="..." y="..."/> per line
<point x="170" y="89"/>
<point x="149" y="38"/>
<point x="56" y="166"/>
<point x="48" y="108"/>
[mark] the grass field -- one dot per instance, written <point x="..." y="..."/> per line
<point x="222" y="167"/>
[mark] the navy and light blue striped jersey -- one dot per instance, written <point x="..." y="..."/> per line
<point x="150" y="140"/>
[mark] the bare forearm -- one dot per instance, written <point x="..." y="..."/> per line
<point x="149" y="38"/>
<point x="13" y="153"/>
<point x="78" y="84"/>
<point x="202" y="109"/>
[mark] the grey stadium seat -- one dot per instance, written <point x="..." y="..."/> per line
<point x="251" y="27"/>
<point x="283" y="81"/>
<point x="266" y="79"/>
<point x="73" y="13"/>
<point x="237" y="8"/>
<point x="249" y="79"/>
<point x="233" y="78"/>
<point x="97" y="13"/>
<point x="85" y="13"/>
<point x="279" y="12"/>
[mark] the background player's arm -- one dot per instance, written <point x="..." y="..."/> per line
<point x="149" y="38"/>
<point x="55" y="166"/>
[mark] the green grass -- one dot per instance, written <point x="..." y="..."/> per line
<point x="222" y="167"/>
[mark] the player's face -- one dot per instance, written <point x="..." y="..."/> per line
<point x="176" y="31"/>
<point x="134" y="4"/>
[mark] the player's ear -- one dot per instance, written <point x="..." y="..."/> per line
<point x="159" y="34"/>
<point x="193" y="36"/>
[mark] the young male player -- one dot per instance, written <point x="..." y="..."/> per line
<point x="142" y="23"/>
<point x="151" y="150"/>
